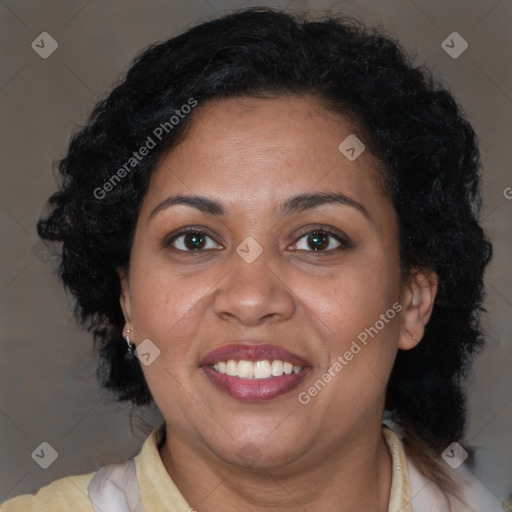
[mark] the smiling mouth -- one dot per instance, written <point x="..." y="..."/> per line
<point x="264" y="369"/>
<point x="250" y="381"/>
<point x="252" y="371"/>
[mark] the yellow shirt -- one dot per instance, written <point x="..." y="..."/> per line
<point x="157" y="492"/>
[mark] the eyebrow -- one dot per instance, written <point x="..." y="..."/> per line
<point x="294" y="204"/>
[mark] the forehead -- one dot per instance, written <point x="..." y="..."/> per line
<point x="257" y="151"/>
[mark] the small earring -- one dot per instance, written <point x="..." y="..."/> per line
<point x="131" y="346"/>
<point x="414" y="338"/>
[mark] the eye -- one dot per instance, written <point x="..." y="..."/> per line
<point x="318" y="239"/>
<point x="322" y="240"/>
<point x="191" y="240"/>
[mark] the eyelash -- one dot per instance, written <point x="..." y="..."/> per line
<point x="343" y="240"/>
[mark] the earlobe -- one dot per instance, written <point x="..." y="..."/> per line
<point x="418" y="298"/>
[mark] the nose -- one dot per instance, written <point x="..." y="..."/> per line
<point x="253" y="293"/>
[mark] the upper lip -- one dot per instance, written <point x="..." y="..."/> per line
<point x="250" y="351"/>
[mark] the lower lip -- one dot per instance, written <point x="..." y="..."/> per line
<point x="255" y="390"/>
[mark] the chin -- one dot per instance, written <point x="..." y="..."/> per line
<point x="256" y="452"/>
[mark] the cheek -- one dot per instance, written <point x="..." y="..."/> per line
<point x="352" y="296"/>
<point x="174" y="311"/>
<point x="353" y="308"/>
<point x="163" y="302"/>
<point x="166" y="309"/>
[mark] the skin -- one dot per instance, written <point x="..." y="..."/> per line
<point x="251" y="154"/>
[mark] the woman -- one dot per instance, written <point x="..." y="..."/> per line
<point x="271" y="228"/>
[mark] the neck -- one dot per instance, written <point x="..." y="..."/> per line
<point x="355" y="477"/>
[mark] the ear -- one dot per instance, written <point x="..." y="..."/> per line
<point x="418" y="296"/>
<point x="125" y="297"/>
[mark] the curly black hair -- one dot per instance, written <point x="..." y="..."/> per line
<point x="411" y="124"/>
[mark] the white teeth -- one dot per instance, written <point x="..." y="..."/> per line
<point x="263" y="369"/>
<point x="245" y="369"/>
<point x="231" y="368"/>
<point x="277" y="368"/>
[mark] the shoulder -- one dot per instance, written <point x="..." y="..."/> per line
<point x="62" y="495"/>
<point x="474" y="495"/>
<point x="477" y="494"/>
<point x="111" y="487"/>
<point x="426" y="496"/>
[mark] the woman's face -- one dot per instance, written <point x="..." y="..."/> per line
<point x="255" y="285"/>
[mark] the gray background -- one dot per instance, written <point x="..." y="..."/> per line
<point x="48" y="390"/>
